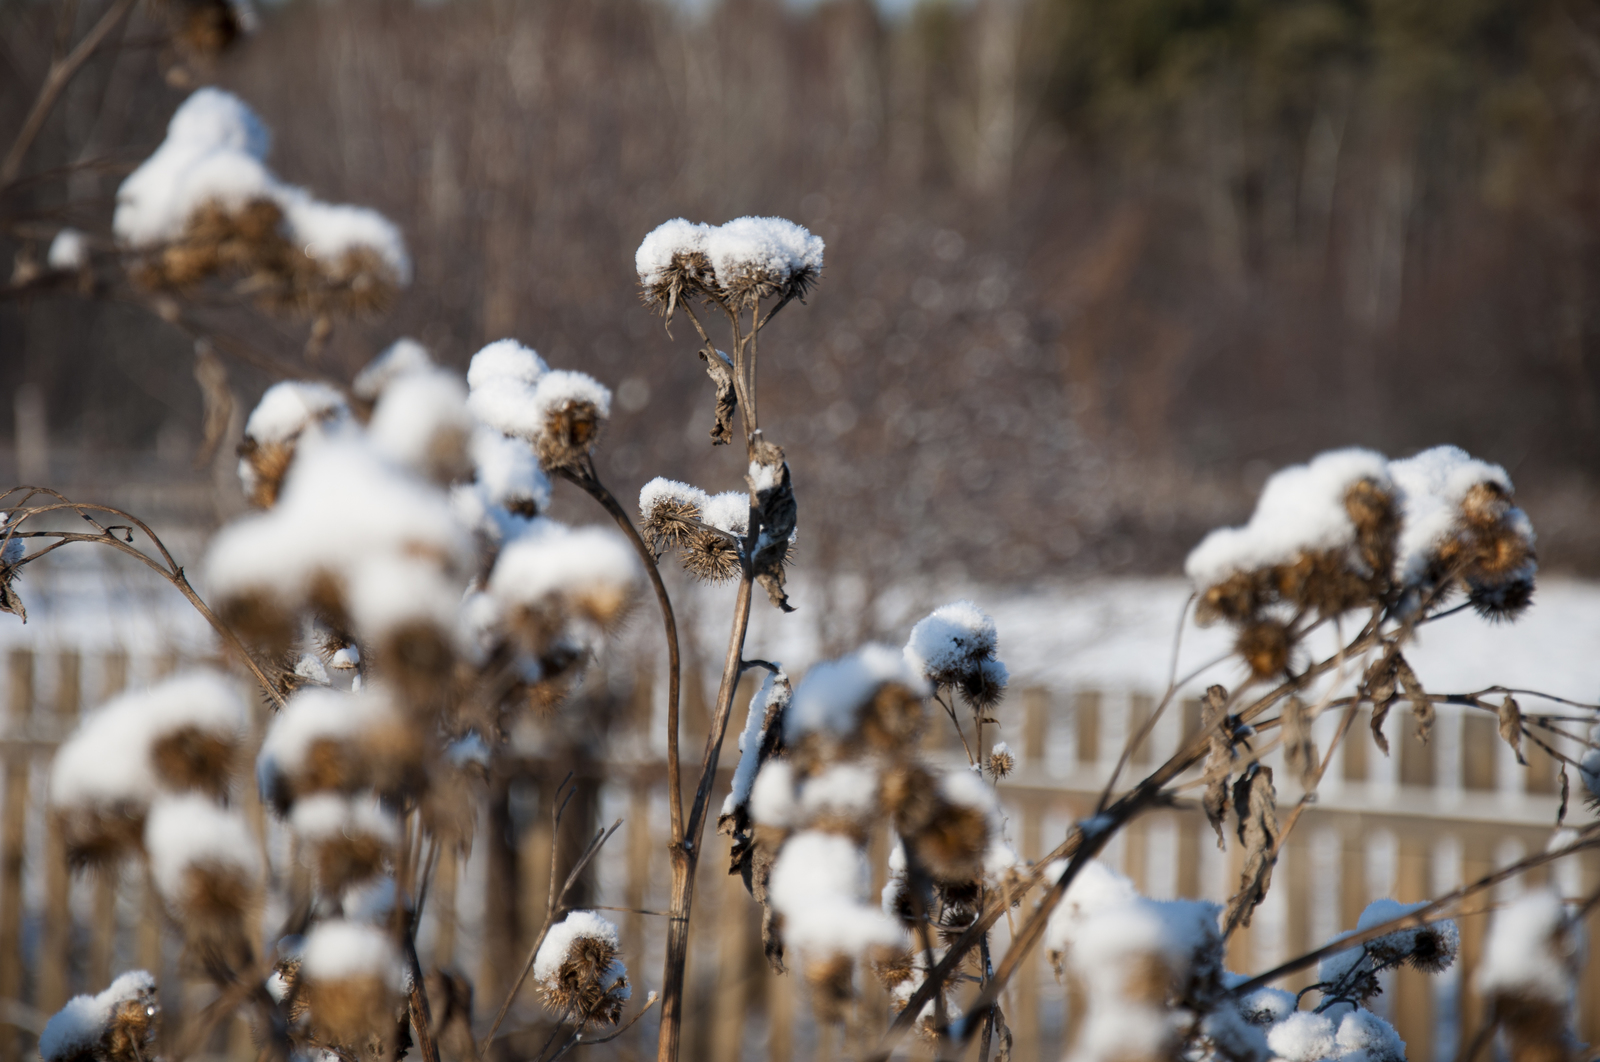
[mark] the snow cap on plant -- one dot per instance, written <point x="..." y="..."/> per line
<point x="205" y="865"/>
<point x="180" y="735"/>
<point x="818" y="887"/>
<point x="871" y="696"/>
<point x="1322" y="538"/>
<point x="421" y="422"/>
<point x="671" y="512"/>
<point x="1529" y="974"/>
<point x="328" y="741"/>
<point x="559" y="573"/>
<point x="578" y="971"/>
<point x="955" y="645"/>
<point x="205" y="205"/>
<point x="349" y="837"/>
<point x="119" y="1024"/>
<point x="286" y="409"/>
<point x="570" y="409"/>
<point x="352" y="979"/>
<point x="403" y="357"/>
<point x="1461" y="529"/>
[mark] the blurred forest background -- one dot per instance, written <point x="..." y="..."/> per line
<point x="1094" y="266"/>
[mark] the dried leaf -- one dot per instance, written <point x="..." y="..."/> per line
<point x="10" y="600"/>
<point x="1219" y="758"/>
<point x="1511" y="726"/>
<point x="1001" y="1036"/>
<point x="1421" y="703"/>
<point x="1566" y="791"/>
<point x="1299" y="751"/>
<point x="720" y="369"/>
<point x="776" y="510"/>
<point x="1378" y="686"/>
<point x="1255" y="802"/>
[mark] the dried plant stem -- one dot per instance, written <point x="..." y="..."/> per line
<point x="588" y="481"/>
<point x="168" y="568"/>
<point x="555" y="903"/>
<point x="686" y="855"/>
<point x="61" y="73"/>
<point x="417" y="1002"/>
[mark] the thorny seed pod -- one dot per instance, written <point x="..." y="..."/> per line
<point x="350" y="838"/>
<point x="672" y="265"/>
<point x="955" y="646"/>
<point x="205" y="864"/>
<point x="326" y="741"/>
<point x="832" y="981"/>
<point x="1529" y="972"/>
<point x="274" y="428"/>
<point x="1264" y="645"/>
<point x="670" y="513"/>
<point x="757" y="258"/>
<point x="118" y="1025"/>
<point x="578" y="973"/>
<point x="180" y="735"/>
<point x="1001" y="761"/>
<point x="571" y="409"/>
<point x="351" y="977"/>
<point x="711" y="557"/>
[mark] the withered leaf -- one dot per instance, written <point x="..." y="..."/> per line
<point x="10" y="600"/>
<point x="1511" y="726"/>
<point x="1255" y="802"/>
<point x="1421" y="703"/>
<point x="720" y="369"/>
<point x="1299" y="750"/>
<point x="1219" y="758"/>
<point x="1378" y="685"/>
<point x="1566" y="791"/>
<point x="776" y="510"/>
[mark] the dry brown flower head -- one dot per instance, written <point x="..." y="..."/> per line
<point x="587" y="985"/>
<point x="569" y="432"/>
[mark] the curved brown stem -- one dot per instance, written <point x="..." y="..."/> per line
<point x="171" y="571"/>
<point x="686" y="855"/>
<point x="586" y="479"/>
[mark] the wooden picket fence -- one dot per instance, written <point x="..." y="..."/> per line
<point x="1425" y="820"/>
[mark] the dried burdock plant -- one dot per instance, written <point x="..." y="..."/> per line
<point x="579" y="973"/>
<point x="284" y="412"/>
<point x="181" y="735"/>
<point x="205" y="863"/>
<point x="119" y="1024"/>
<point x="1529" y="974"/>
<point x="350" y="839"/>
<point x="352" y="979"/>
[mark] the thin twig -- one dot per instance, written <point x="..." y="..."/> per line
<point x="56" y="80"/>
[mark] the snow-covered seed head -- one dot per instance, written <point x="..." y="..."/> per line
<point x="672" y="265"/>
<point x="350" y="838"/>
<point x="671" y="512"/>
<point x="1265" y="646"/>
<point x="118" y="1025"/>
<point x="1001" y="761"/>
<point x="755" y="258"/>
<point x="578" y="972"/>
<point x="571" y="409"/>
<point x="205" y="865"/>
<point x="326" y="741"/>
<point x="832" y="982"/>
<point x="351" y="979"/>
<point x="1322" y="537"/>
<point x="285" y="411"/>
<point x="1529" y="972"/>
<point x="955" y="646"/>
